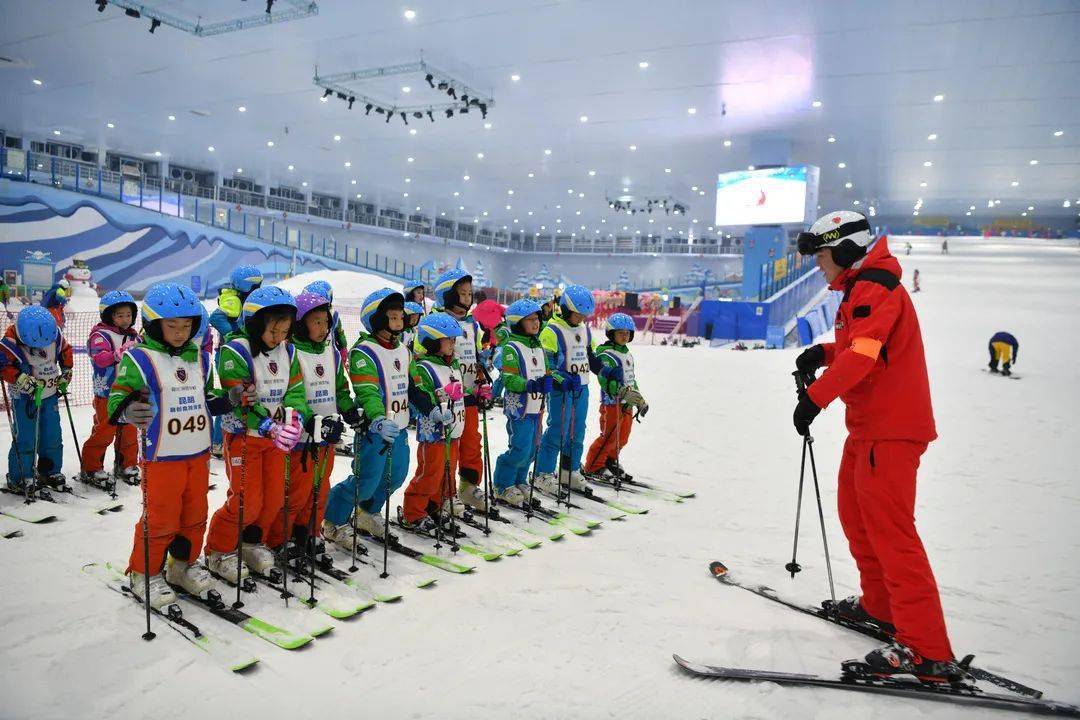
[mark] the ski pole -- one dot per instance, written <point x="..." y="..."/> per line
<point x="356" y="499"/>
<point x="240" y="501"/>
<point x="618" y="441"/>
<point x="316" y="487"/>
<point x="562" y="452"/>
<point x="15" y="438"/>
<point x="793" y="566"/>
<point x="536" y="455"/>
<point x="37" y="441"/>
<point x="285" y="544"/>
<point x="487" y="477"/>
<point x="386" y="509"/>
<point x="74" y="436"/>
<point x="149" y="634"/>
<point x="448" y="483"/>
<point x="821" y="517"/>
<point x="7" y="407"/>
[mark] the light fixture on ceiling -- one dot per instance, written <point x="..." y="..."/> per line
<point x="633" y="148"/>
<point x="157" y="153"/>
<point x="406" y="89"/>
<point x="832" y="138"/>
<point x="412" y="131"/>
<point x="479" y="156"/>
<point x="487" y="126"/>
<point x="172" y="117"/>
<point x="241" y="109"/>
<point x="1059" y="133"/>
<point x="1015" y="183"/>
<point x="643" y="64"/>
<point x="465" y="178"/>
<point x="410" y="159"/>
<point x="922" y="184"/>
<point x="939" y="98"/>
<point x="337" y="138"/>
<point x="928" y="164"/>
<point x="239" y="171"/>
<point x="110" y="125"/>
<point x="592" y="173"/>
<point x="727" y="143"/>
<point x="515" y="77"/>
<point x="691" y="111"/>
<point x="55" y="132"/>
<point x="816" y="104"/>
<point x="583" y="118"/>
<point x="667" y="170"/>
<point x="841" y="165"/>
<point x="269" y="143"/>
<point x="932" y="136"/>
<point x="410" y="14"/>
<point x="547" y="151"/>
<point x="848" y="185"/>
<point x="1033" y="162"/>
<point x="37" y="82"/>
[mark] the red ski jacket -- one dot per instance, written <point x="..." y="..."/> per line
<point x="877" y="366"/>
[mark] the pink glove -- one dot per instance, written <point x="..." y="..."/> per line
<point x="124" y="348"/>
<point x="288" y="435"/>
<point x="454" y="390"/>
<point x="483" y="392"/>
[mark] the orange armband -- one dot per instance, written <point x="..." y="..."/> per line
<point x="866" y="346"/>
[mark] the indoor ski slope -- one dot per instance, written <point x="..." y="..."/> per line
<point x="585" y="627"/>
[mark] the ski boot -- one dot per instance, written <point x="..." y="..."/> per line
<point x="131" y="476"/>
<point x="259" y="558"/>
<point x="54" y="481"/>
<point x="471" y="494"/>
<point x="224" y="566"/>
<point x="512" y="495"/>
<point x="373" y="525"/>
<point x="161" y="595"/>
<point x="548" y="483"/>
<point x="217" y="450"/>
<point x="1005" y="370"/>
<point x="340" y="535"/>
<point x="424" y="526"/>
<point x="618" y="471"/>
<point x="455" y="506"/>
<point x="851" y="609"/>
<point x="577" y="481"/>
<point x="897" y="659"/>
<point x="100" y="479"/>
<point x="192" y="579"/>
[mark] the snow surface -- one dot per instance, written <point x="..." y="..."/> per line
<point x="585" y="627"/>
<point x="350" y="288"/>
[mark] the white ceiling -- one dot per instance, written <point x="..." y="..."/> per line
<point x="1008" y="71"/>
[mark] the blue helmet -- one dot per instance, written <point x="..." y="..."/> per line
<point x="435" y="327"/>
<point x="412" y="308"/>
<point x="373" y="311"/>
<point x="619" y="321"/>
<point x="266" y="297"/>
<point x="36" y="327"/>
<point x="320" y="287"/>
<point x="170" y="300"/>
<point x="246" y="278"/>
<point x="519" y="310"/>
<point x="204" y="323"/>
<point x="577" y="298"/>
<point x="445" y="295"/>
<point x="113" y="298"/>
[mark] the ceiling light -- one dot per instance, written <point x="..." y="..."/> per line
<point x="487" y="126"/>
<point x="968" y="212"/>
<point x="727" y="143"/>
<point x="408" y="180"/>
<point x="626" y="189"/>
<point x="37" y="82"/>
<point x="922" y="184"/>
<point x="353" y="182"/>
<point x="530" y="212"/>
<point x="479" y="156"/>
<point x="972" y="207"/>
<point x="532" y="174"/>
<point x="691" y="111"/>
<point x="570" y="191"/>
<point x="581" y="195"/>
<point x="578" y="212"/>
<point x="484" y="213"/>
<point x="667" y="170"/>
<point x="816" y="103"/>
<point x="412" y="131"/>
<point x="337" y="138"/>
<point x="841" y="165"/>
<point x="465" y="178"/>
<point x="1033" y="162"/>
<point x="1059" y="133"/>
<point x="515" y="77"/>
<point x="1031" y="207"/>
<point x="1023" y="214"/>
<point x="584" y="118"/>
<point x="633" y="148"/>
<point x="854" y="202"/>
<point x="592" y="173"/>
<point x="405" y="194"/>
<point x="410" y="14"/>
<point x="939" y="98"/>
<point x="509" y="192"/>
<point x="291" y="168"/>
<point x="269" y="143"/>
<point x="303" y="184"/>
<point x="693" y="188"/>
<point x="507" y="207"/>
<point x="157" y="153"/>
<point x="1066" y="204"/>
<point x="749" y="167"/>
<point x="832" y="138"/>
<point x="847" y="185"/>
<point x="457" y="194"/>
<point x="359" y="195"/>
<point x="461" y="207"/>
<point x="172" y="117"/>
<point x="643" y="64"/>
<point x="110" y="125"/>
<point x="55" y="132"/>
<point x="1015" y="183"/>
<point x="928" y="164"/>
<point x="348" y="164"/>
<point x="406" y="89"/>
<point x="323" y="98"/>
<point x="701" y="192"/>
<point x="409" y="159"/>
<point x="932" y="136"/>
<point x="547" y="151"/>
<point x="241" y="109"/>
<point x="239" y="171"/>
<point x="211" y="149"/>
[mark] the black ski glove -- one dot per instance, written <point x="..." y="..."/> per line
<point x="352" y="417"/>
<point x="810" y="359"/>
<point x="805" y="412"/>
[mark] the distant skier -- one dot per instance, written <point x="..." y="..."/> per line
<point x="1004" y="349"/>
<point x="908" y="247"/>
<point x="878" y="368"/>
<point x="915" y="281"/>
<point x="56" y="299"/>
<point x="945" y="246"/>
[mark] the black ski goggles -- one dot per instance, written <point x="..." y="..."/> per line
<point x="809" y="243"/>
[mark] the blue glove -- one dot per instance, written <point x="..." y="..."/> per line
<point x="440" y="415"/>
<point x="267" y="427"/>
<point x="540" y="385"/>
<point x="388" y="430"/>
<point x="571" y="383"/>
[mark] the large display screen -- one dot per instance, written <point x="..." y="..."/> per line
<point x="772" y="196"/>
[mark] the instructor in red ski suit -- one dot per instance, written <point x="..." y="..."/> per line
<point x="877" y="367"/>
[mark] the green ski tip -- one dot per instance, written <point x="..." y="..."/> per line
<point x="482" y="554"/>
<point x="279" y="636"/>
<point x="425" y="582"/>
<point x="447" y="565"/>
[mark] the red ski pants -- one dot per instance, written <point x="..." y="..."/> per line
<point x="432" y="482"/>
<point x="301" y="484"/>
<point x="256" y="466"/>
<point x="176" y="512"/>
<point x="471" y="452"/>
<point x="615" y="430"/>
<point x="876" y="497"/>
<point x="103" y="434"/>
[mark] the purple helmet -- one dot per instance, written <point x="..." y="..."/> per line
<point x="308" y="301"/>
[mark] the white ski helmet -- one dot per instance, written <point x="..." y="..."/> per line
<point x="848" y="233"/>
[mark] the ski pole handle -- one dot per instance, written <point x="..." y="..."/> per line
<point x="385" y="447"/>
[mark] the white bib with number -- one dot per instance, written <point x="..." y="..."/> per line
<point x="465" y="352"/>
<point x="443" y="375"/>
<point x="43" y="366"/>
<point x="531" y="366"/>
<point x="181" y="425"/>
<point x="393" y="366"/>
<point x="574" y="342"/>
<point x="320" y="379"/>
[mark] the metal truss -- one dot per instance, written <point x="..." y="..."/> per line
<point x="295" y="10"/>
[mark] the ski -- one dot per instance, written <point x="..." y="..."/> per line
<point x="329" y="576"/>
<point x="576" y="525"/>
<point x="619" y="486"/>
<point x="482" y="550"/>
<point x="721" y="573"/>
<point x="505" y="532"/>
<point x="857" y="676"/>
<point x="427" y="558"/>
<point x="499" y="540"/>
<point x="554" y="531"/>
<point x="620" y="505"/>
<point x="219" y="649"/>
<point x="633" y="482"/>
<point x="309" y="624"/>
<point x="331" y="603"/>
<point x="589" y="518"/>
<point x="258" y="627"/>
<point x="1010" y="376"/>
<point x="48" y="496"/>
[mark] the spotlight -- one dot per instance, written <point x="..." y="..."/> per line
<point x="101" y="5"/>
<point x="379" y="110"/>
<point x="269" y="6"/>
<point x="430" y="116"/>
<point x="328" y="93"/>
<point x="417" y="114"/>
<point x="351" y="101"/>
<point x="154" y="25"/>
<point x="429" y="77"/>
<point x="367" y="108"/>
<point x="452" y="93"/>
<point x="443" y="85"/>
<point x="465" y="98"/>
<point x="404" y="118"/>
<point x="133" y="13"/>
<point x="464" y="110"/>
<point x="342" y="96"/>
<point x="389" y="114"/>
<point x="483" y="110"/>
<point x="449" y="112"/>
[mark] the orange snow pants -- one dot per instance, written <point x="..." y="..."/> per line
<point x="259" y="471"/>
<point x="301" y="485"/>
<point x="176" y="512"/>
<point x="876" y="498"/>
<point x="430" y="485"/>
<point x="615" y="430"/>
<point x="472" y="458"/>
<point x="103" y="434"/>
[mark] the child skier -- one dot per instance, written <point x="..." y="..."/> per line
<point x="163" y="387"/>
<point x="453" y="296"/>
<point x="36" y="361"/>
<point x="226" y="319"/>
<point x="337" y="330"/>
<point x="258" y="436"/>
<point x="619" y="395"/>
<point x="108" y="342"/>
<point x="379" y="371"/>
<point x="1004" y="348"/>
<point x="55" y="299"/>
<point x="523" y="368"/>
<point x="890" y="423"/>
<point x="567" y="341"/>
<point x="327" y="393"/>
<point x="413" y="313"/>
<point x="439" y="397"/>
